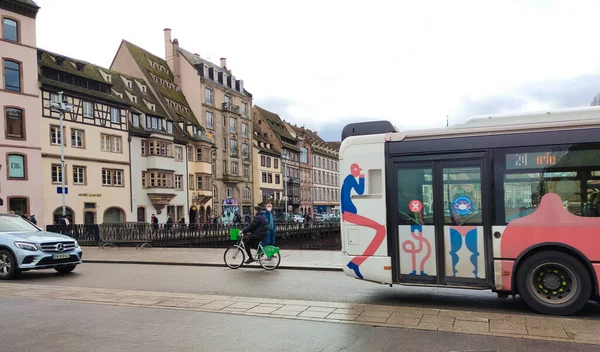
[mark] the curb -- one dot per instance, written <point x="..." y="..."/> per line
<point x="284" y="267"/>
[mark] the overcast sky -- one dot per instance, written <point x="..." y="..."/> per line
<point x="326" y="63"/>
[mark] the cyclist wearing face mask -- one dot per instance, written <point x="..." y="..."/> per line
<point x="270" y="240"/>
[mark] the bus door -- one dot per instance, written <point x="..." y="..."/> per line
<point x="442" y="221"/>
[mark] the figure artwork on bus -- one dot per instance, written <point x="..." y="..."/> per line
<point x="350" y="214"/>
<point x="464" y="236"/>
<point x="409" y="247"/>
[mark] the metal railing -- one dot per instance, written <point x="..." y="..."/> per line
<point x="325" y="236"/>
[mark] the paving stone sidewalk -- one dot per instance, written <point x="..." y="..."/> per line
<point x="479" y="323"/>
<point x="290" y="259"/>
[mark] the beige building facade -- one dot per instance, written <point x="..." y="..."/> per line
<point x="268" y="177"/>
<point x="21" y="174"/>
<point x="164" y="84"/>
<point x="223" y="107"/>
<point x="94" y="136"/>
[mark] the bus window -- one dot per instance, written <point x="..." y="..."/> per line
<point x="571" y="173"/>
<point x="415" y="184"/>
<point x="462" y="196"/>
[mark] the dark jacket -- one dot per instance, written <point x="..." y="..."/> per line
<point x="259" y="227"/>
<point x="268" y="215"/>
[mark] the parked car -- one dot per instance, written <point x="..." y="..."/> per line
<point x="24" y="246"/>
<point x="298" y="218"/>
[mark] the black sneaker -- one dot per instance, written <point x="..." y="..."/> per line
<point x="250" y="260"/>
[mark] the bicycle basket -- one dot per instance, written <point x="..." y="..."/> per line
<point x="234" y="234"/>
<point x="270" y="250"/>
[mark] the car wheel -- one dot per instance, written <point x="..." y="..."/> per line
<point x="8" y="266"/>
<point x="65" y="269"/>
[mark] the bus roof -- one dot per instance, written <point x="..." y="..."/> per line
<point x="560" y="119"/>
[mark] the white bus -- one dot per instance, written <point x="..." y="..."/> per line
<point x="508" y="203"/>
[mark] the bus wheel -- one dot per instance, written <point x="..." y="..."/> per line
<point x="554" y="283"/>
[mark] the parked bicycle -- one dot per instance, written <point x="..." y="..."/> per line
<point x="235" y="256"/>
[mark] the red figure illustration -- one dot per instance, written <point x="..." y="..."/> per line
<point x="409" y="247"/>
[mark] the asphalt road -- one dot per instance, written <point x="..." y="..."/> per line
<point x="283" y="284"/>
<point x="45" y="325"/>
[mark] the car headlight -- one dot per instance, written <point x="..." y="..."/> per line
<point x="26" y="246"/>
<point x="76" y="244"/>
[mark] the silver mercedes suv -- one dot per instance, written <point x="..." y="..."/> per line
<point x="24" y="246"/>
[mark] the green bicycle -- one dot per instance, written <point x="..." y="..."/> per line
<point x="235" y="256"/>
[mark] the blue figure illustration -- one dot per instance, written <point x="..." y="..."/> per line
<point x="456" y="243"/>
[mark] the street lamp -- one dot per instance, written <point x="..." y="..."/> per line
<point x="285" y="191"/>
<point x="61" y="106"/>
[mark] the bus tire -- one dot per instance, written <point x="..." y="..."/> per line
<point x="554" y="283"/>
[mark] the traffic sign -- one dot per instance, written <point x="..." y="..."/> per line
<point x="59" y="190"/>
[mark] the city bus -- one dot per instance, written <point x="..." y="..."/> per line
<point x="506" y="202"/>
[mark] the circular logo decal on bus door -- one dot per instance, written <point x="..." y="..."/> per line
<point x="462" y="205"/>
<point x="415" y="206"/>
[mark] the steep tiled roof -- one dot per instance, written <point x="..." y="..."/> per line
<point x="194" y="60"/>
<point x="69" y="65"/>
<point x="121" y="87"/>
<point x="276" y="123"/>
<point x="144" y="58"/>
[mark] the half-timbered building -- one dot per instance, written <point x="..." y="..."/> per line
<point x="94" y="135"/>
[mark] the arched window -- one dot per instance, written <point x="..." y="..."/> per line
<point x="114" y="214"/>
<point x="57" y="214"/>
<point x="247" y="193"/>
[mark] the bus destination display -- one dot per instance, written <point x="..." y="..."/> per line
<point x="532" y="160"/>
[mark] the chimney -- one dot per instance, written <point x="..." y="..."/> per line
<point x="168" y="45"/>
<point x="223" y="62"/>
<point x="175" y="66"/>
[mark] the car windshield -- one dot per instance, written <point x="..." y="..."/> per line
<point x="15" y="224"/>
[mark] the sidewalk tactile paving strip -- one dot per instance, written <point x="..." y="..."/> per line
<point x="456" y="321"/>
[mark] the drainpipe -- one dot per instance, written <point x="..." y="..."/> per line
<point x="131" y="181"/>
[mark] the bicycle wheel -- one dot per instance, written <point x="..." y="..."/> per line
<point x="234" y="257"/>
<point x="269" y="263"/>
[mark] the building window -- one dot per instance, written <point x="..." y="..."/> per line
<point x="268" y="161"/>
<point x="179" y="182"/>
<point x="229" y="192"/>
<point x="56" y="173"/>
<point x="136" y="120"/>
<point x="88" y="109"/>
<point x="225" y="167"/>
<point x="12" y="75"/>
<point x="303" y="155"/>
<point x="55" y="135"/>
<point x="234" y="148"/>
<point x="77" y="138"/>
<point x="160" y="180"/>
<point x="269" y="178"/>
<point x="277" y="179"/>
<point x="190" y="152"/>
<point x="199" y="183"/>
<point x="115" y="115"/>
<point x="264" y="177"/>
<point x="227" y="101"/>
<point x="209" y="120"/>
<point x="17" y="166"/>
<point x="232" y="125"/>
<point x="245" y="130"/>
<point x="198" y="154"/>
<point x="154" y="123"/>
<point x="234" y="168"/>
<point x="245" y="151"/>
<point x="246" y="171"/>
<point x="263" y="160"/>
<point x="209" y="97"/>
<point x="195" y="130"/>
<point x="247" y="195"/>
<point x="10" y="29"/>
<point x="224" y="144"/>
<point x="276" y="163"/>
<point x="169" y="127"/>
<point x="244" y="109"/>
<point x="112" y="177"/>
<point x="78" y="175"/>
<point x="179" y="153"/>
<point x="191" y="182"/>
<point x="110" y="143"/>
<point x="15" y="123"/>
<point x="144" y="176"/>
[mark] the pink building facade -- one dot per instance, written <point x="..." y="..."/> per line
<point x="20" y="106"/>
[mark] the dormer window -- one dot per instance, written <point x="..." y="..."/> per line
<point x="134" y="99"/>
<point x="169" y="126"/>
<point x="154" y="123"/>
<point x="129" y="84"/>
<point x="60" y="61"/>
<point x="195" y="130"/>
<point x="79" y="66"/>
<point x="144" y="89"/>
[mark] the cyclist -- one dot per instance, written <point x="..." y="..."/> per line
<point x="258" y="230"/>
